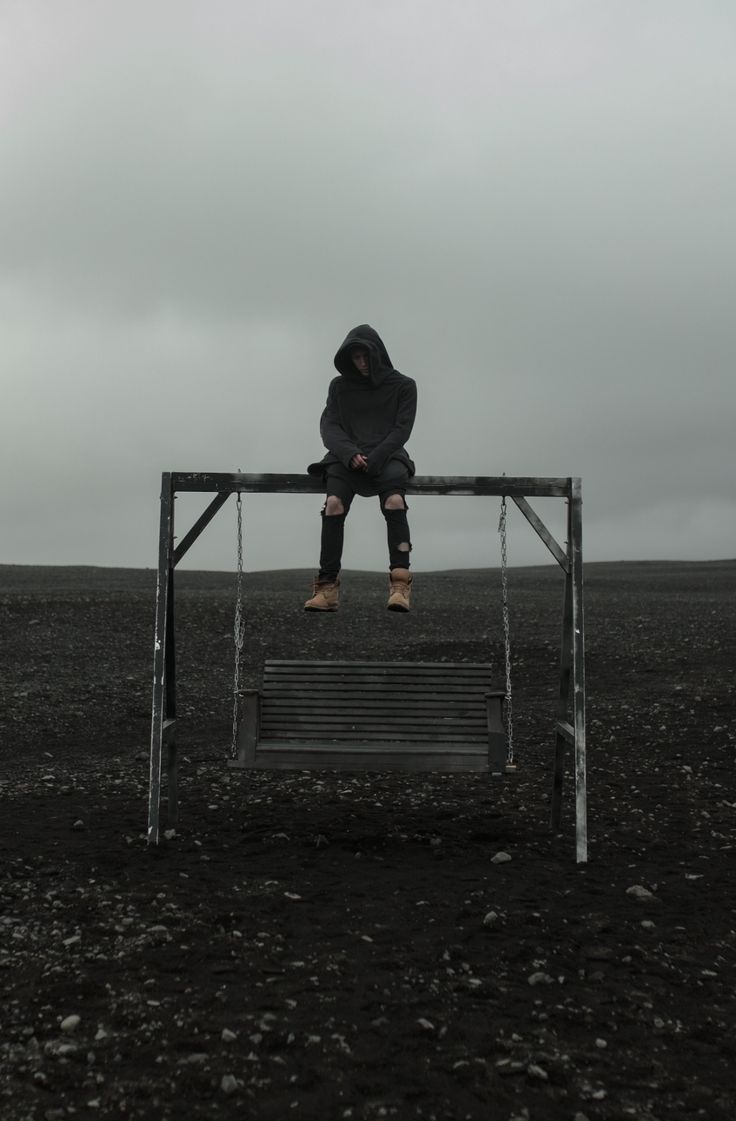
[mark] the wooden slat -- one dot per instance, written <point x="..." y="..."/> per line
<point x="373" y="674"/>
<point x="431" y="705"/>
<point x="350" y="716"/>
<point x="421" y="756"/>
<point x="393" y="729"/>
<point x="359" y="734"/>
<point x="327" y="663"/>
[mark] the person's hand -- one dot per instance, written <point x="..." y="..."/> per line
<point x="359" y="462"/>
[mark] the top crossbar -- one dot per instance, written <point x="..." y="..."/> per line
<point x="512" y="486"/>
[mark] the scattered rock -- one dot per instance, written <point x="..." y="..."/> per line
<point x="70" y="1023"/>
<point x="228" y="1084"/>
<point x="639" y="892"/>
<point x="535" y="1071"/>
<point x="501" y="858"/>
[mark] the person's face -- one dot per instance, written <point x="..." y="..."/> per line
<point x="361" y="361"/>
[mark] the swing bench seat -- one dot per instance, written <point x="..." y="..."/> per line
<point x="373" y="716"/>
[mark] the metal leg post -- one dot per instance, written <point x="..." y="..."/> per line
<point x="164" y="589"/>
<point x="578" y="673"/>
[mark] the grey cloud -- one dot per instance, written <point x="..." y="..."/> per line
<point x="533" y="203"/>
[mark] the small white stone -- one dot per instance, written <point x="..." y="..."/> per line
<point x="490" y="919"/>
<point x="501" y="858"/>
<point x="540" y="979"/>
<point x="537" y="1072"/>
<point x="639" y="892"/>
<point x="601" y="1043"/>
<point x="71" y="1023"/>
<point x="426" y="1024"/>
<point x="648" y="924"/>
<point x="228" y="1036"/>
<point x="228" y="1083"/>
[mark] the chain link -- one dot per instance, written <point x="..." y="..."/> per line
<point x="506" y="632"/>
<point x="239" y="629"/>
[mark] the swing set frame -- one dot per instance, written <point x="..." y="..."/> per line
<point x="569" y="728"/>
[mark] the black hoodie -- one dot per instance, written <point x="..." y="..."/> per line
<point x="367" y="415"/>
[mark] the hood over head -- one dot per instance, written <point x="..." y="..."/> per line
<point x="367" y="337"/>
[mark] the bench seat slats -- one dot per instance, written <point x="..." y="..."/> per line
<point x="372" y="715"/>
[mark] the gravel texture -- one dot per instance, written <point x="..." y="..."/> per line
<point x="367" y="946"/>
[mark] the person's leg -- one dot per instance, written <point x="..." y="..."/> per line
<point x="326" y="591"/>
<point x="394" y="510"/>
<point x="332" y="537"/>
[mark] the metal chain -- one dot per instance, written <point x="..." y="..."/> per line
<point x="506" y="632"/>
<point x="239" y="629"/>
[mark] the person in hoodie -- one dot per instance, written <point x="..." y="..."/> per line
<point x="365" y="425"/>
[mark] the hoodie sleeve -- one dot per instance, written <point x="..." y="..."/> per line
<point x="334" y="436"/>
<point x="406" y="411"/>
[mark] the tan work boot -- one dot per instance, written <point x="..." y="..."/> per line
<point x="399" y="589"/>
<point x="326" y="596"/>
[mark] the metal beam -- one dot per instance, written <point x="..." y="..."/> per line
<point x="540" y="528"/>
<point x="201" y="523"/>
<point x="159" y="714"/>
<point x="419" y="484"/>
<point x="578" y="671"/>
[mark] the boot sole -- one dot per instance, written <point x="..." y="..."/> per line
<point x="321" y="610"/>
<point x="397" y="607"/>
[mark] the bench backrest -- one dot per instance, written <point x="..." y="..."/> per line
<point x="382" y="702"/>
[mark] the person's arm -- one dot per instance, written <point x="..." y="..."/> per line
<point x="401" y="431"/>
<point x="334" y="436"/>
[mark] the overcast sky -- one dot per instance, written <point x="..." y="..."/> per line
<point x="531" y="200"/>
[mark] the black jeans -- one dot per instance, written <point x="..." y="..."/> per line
<point x="344" y="483"/>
